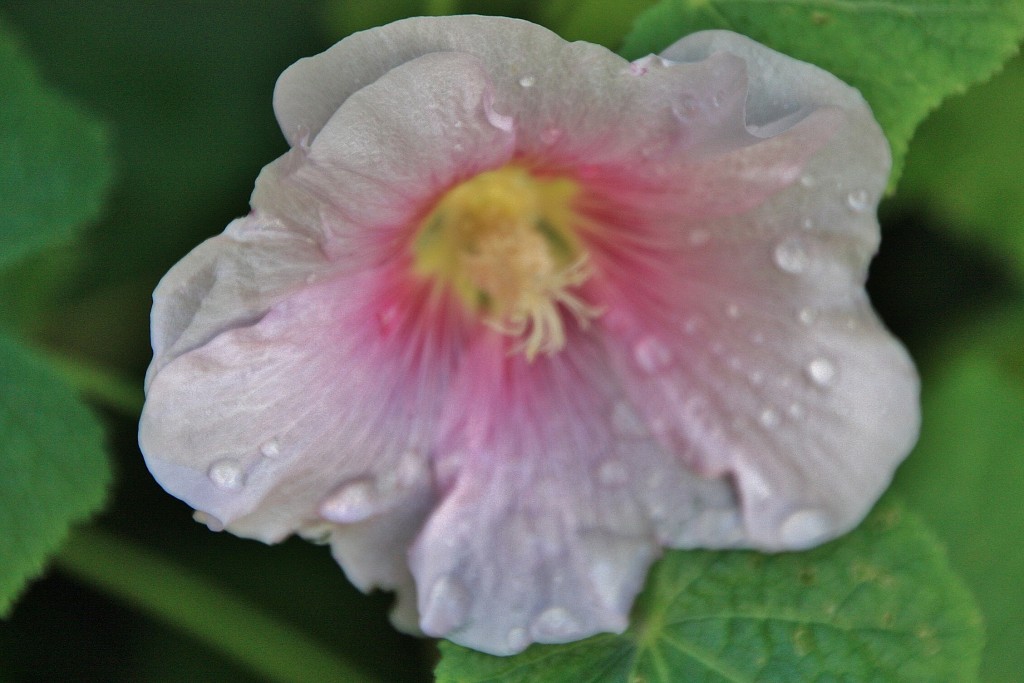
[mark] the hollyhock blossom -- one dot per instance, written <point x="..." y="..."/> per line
<point x="514" y="314"/>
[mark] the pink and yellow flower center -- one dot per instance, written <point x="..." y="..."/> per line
<point x="504" y="243"/>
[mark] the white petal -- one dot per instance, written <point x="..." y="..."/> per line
<point x="262" y="427"/>
<point x="554" y="505"/>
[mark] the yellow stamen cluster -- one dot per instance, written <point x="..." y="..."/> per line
<point x="503" y="242"/>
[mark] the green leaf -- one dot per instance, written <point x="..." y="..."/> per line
<point x="53" y="160"/>
<point x="53" y="469"/>
<point x="967" y="476"/>
<point x="966" y="166"/>
<point x="604" y="22"/>
<point x="880" y="604"/>
<point x="905" y="57"/>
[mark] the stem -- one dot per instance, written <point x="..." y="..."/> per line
<point x="273" y="649"/>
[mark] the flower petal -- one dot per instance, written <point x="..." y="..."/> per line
<point x="555" y="499"/>
<point x="397" y="144"/>
<point x="229" y="281"/>
<point x="749" y="344"/>
<point x="300" y="418"/>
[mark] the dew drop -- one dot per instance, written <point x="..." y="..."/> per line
<point x="821" y="371"/>
<point x="387" y="318"/>
<point x="806" y="316"/>
<point x="791" y="257"/>
<point x="447" y="606"/>
<point x="804" y="528"/>
<point x="733" y="311"/>
<point x="699" y="237"/>
<point x="613" y="473"/>
<point x="795" y="410"/>
<point x="858" y="200"/>
<point x="808" y="180"/>
<point x="685" y="108"/>
<point x="211" y="522"/>
<point x="756" y="377"/>
<point x="500" y="121"/>
<point x="411" y="469"/>
<point x="625" y="422"/>
<point x="527" y="81"/>
<point x="353" y="501"/>
<point x="517" y="639"/>
<point x="769" y="419"/>
<point x="718" y="98"/>
<point x="270" y="448"/>
<point x="227" y="474"/>
<point x="692" y="324"/>
<point x="550" y="136"/>
<point x="652" y="355"/>
<point x="555" y="623"/>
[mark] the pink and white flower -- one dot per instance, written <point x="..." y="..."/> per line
<point x="514" y="314"/>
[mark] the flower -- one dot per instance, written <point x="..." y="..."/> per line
<point x="514" y="314"/>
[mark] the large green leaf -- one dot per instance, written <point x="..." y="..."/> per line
<point x="605" y="22"/>
<point x="905" y="57"/>
<point x="966" y="164"/>
<point x="880" y="604"/>
<point x="53" y="469"/>
<point x="53" y="160"/>
<point x="967" y="478"/>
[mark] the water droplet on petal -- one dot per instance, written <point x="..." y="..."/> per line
<point x="447" y="606"/>
<point x="625" y="421"/>
<point x="613" y="473"/>
<point x="517" y="639"/>
<point x="211" y="522"/>
<point x="550" y="136"/>
<point x="769" y="419"/>
<point x="500" y="121"/>
<point x="718" y="98"/>
<point x="692" y="324"/>
<point x="821" y="371"/>
<point x="733" y="311"/>
<point x="554" y="623"/>
<point x="806" y="316"/>
<point x="652" y="355"/>
<point x="270" y="448"/>
<point x="756" y="377"/>
<point x="353" y="501"/>
<point x="858" y="200"/>
<point x="699" y="237"/>
<point x="808" y="180"/>
<point x="527" y="81"/>
<point x="791" y="257"/>
<point x="795" y="410"/>
<point x="227" y="474"/>
<point x="606" y="579"/>
<point x="804" y="528"/>
<point x="685" y="108"/>
<point x="387" y="318"/>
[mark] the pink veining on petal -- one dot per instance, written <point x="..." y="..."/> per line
<point x="710" y="372"/>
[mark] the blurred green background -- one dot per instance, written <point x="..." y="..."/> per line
<point x="185" y="89"/>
